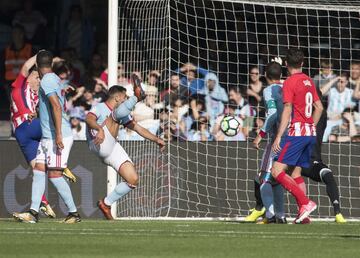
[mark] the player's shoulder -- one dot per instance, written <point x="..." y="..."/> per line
<point x="50" y="80"/>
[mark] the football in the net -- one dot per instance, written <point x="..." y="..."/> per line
<point x="230" y="125"/>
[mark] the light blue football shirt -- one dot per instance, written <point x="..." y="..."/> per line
<point x="103" y="111"/>
<point x="50" y="85"/>
<point x="274" y="107"/>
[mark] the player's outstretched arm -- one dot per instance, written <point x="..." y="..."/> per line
<point x="27" y="66"/>
<point x="285" y="118"/>
<point x="146" y="134"/>
<point x="57" y="116"/>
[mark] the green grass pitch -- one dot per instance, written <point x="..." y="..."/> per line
<point x="100" y="238"/>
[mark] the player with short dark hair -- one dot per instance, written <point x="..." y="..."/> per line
<point x="272" y="193"/>
<point x="103" y="123"/>
<point x="55" y="144"/>
<point x="317" y="171"/>
<point x="294" y="152"/>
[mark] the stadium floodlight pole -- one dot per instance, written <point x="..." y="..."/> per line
<point x="113" y="41"/>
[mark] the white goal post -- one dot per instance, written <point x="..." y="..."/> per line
<point x="215" y="179"/>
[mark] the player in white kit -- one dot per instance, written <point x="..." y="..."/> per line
<point x="103" y="123"/>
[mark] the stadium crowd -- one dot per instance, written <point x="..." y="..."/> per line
<point x="188" y="105"/>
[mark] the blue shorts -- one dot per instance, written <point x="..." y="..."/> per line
<point x="28" y="135"/>
<point x="296" y="150"/>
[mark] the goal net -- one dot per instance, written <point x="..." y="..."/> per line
<point x="212" y="179"/>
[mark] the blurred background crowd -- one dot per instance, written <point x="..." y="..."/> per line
<point x="186" y="104"/>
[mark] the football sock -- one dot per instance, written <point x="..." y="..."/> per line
<point x="37" y="189"/>
<point x="332" y="191"/>
<point x="267" y="199"/>
<point x="289" y="184"/>
<point x="259" y="203"/>
<point x="65" y="192"/>
<point x="124" y="109"/>
<point x="120" y="190"/>
<point x="278" y="192"/>
<point x="44" y="200"/>
<point x="301" y="183"/>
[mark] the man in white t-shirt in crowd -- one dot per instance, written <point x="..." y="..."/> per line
<point x="340" y="97"/>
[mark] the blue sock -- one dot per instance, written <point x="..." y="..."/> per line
<point x="267" y="199"/>
<point x="124" y="109"/>
<point x="278" y="191"/>
<point x="120" y="190"/>
<point x="64" y="191"/>
<point x="37" y="189"/>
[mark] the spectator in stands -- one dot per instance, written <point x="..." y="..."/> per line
<point x="244" y="110"/>
<point x="77" y="67"/>
<point x="199" y="130"/>
<point x="122" y="79"/>
<point x="197" y="108"/>
<point x="78" y="33"/>
<point x="86" y="101"/>
<point x="16" y="53"/>
<point x="32" y="21"/>
<point x="153" y="78"/>
<point x="144" y="112"/>
<point x="325" y="75"/>
<point x="100" y="90"/>
<point x="218" y="134"/>
<point x="215" y="97"/>
<point x="346" y="131"/>
<point x="77" y="117"/>
<point x="354" y="74"/>
<point x="190" y="77"/>
<point x="340" y="97"/>
<point x="254" y="91"/>
<point x="174" y="91"/>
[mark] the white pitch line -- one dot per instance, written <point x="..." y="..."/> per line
<point x="174" y="232"/>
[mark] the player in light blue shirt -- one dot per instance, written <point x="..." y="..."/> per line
<point x="103" y="123"/>
<point x="55" y="145"/>
<point x="272" y="194"/>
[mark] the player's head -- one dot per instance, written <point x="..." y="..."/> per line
<point x="33" y="78"/>
<point x="294" y="58"/>
<point x="44" y="61"/>
<point x="342" y="82"/>
<point x="62" y="69"/>
<point x="273" y="72"/>
<point x="117" y="94"/>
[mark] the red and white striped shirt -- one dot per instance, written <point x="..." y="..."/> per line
<point x="300" y="91"/>
<point x="302" y="129"/>
<point x="23" y="101"/>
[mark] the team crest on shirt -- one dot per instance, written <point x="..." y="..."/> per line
<point x="307" y="83"/>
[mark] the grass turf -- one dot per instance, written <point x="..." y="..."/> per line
<point x="99" y="238"/>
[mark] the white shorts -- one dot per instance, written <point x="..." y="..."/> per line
<point x="49" y="154"/>
<point x="110" y="151"/>
<point x="267" y="158"/>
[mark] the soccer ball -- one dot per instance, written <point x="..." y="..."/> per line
<point x="230" y="126"/>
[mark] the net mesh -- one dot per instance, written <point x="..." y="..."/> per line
<point x="215" y="178"/>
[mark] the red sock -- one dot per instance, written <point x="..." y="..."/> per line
<point x="44" y="200"/>
<point x="301" y="183"/>
<point x="289" y="184"/>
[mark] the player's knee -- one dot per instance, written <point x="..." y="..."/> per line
<point x="40" y="167"/>
<point x="55" y="173"/>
